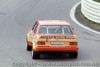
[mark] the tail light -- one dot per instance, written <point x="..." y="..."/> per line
<point x="40" y="43"/>
<point x="73" y="43"/>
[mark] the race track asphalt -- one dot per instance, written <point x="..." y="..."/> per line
<point x="18" y="16"/>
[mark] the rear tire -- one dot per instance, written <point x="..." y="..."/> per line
<point x="35" y="55"/>
<point x="29" y="48"/>
<point x="73" y="54"/>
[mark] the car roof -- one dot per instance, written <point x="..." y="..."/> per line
<point x="52" y="22"/>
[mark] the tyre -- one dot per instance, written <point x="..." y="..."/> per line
<point x="35" y="55"/>
<point x="73" y="54"/>
<point x="29" y="48"/>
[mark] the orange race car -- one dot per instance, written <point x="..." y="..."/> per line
<point x="52" y="36"/>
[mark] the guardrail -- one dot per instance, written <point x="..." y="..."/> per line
<point x="91" y="10"/>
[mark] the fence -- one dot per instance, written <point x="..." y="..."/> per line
<point x="91" y="10"/>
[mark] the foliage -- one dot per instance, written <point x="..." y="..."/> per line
<point x="97" y="1"/>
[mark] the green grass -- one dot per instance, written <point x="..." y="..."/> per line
<point x="97" y="1"/>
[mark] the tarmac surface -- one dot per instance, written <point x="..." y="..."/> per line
<point x="18" y="16"/>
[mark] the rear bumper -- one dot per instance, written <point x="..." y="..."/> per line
<point x="57" y="49"/>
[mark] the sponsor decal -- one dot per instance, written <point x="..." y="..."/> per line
<point x="57" y="37"/>
<point x="47" y="37"/>
<point x="57" y="43"/>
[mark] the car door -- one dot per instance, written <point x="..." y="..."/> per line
<point x="33" y="33"/>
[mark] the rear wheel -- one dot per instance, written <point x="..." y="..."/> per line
<point x="73" y="54"/>
<point x="29" y="48"/>
<point x="35" y="55"/>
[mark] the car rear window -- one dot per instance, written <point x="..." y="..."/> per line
<point x="55" y="29"/>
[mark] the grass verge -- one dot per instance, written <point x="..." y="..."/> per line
<point x="97" y="1"/>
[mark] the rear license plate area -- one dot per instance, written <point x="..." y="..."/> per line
<point x="57" y="43"/>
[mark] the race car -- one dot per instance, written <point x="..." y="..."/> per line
<point x="52" y="36"/>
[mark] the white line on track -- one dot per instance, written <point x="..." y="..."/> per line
<point x="72" y="15"/>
